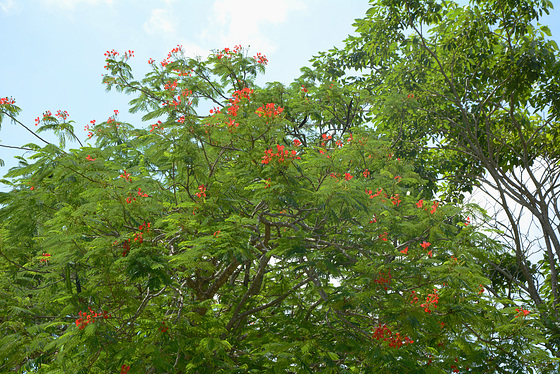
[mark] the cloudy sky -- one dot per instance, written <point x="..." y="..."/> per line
<point x="52" y="50"/>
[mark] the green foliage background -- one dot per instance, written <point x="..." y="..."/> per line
<point x="233" y="241"/>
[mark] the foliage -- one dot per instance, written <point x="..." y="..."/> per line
<point x="278" y="233"/>
<point x="472" y="93"/>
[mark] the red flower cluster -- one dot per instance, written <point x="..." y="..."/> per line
<point x="157" y="126"/>
<point x="6" y="101"/>
<point x="163" y="328"/>
<point x="396" y="199"/>
<point x="297" y="142"/>
<point x="177" y="49"/>
<point x="521" y="312"/>
<point x="139" y="236"/>
<point x="261" y="59"/>
<point x="125" y="369"/>
<point x="86" y="127"/>
<point x="281" y="155"/>
<point x="125" y="175"/>
<point x="240" y="94"/>
<point x="202" y="191"/>
<point x="170" y="86"/>
<point x="434" y="207"/>
<point x="110" y="54"/>
<point x="62" y="114"/>
<point x="232" y="124"/>
<point x="395" y="340"/>
<point x="228" y="52"/>
<point x="45" y="257"/>
<point x="269" y="110"/>
<point x="384" y="278"/>
<point x="130" y="199"/>
<point x="431" y="301"/>
<point x="414" y="297"/>
<point x="87" y="318"/>
<point x="383" y="236"/>
<point x="378" y="193"/>
<point x="348" y="176"/>
<point x="89" y="158"/>
<point x="425" y="245"/>
<point x="177" y="101"/>
<point x="126" y="247"/>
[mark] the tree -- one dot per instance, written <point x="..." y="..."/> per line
<point x="472" y="92"/>
<point x="277" y="233"/>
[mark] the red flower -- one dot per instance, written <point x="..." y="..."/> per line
<point x="431" y="301"/>
<point x="89" y="158"/>
<point x="420" y="203"/>
<point x="6" y="101"/>
<point x="303" y="88"/>
<point x="125" y="175"/>
<point x="434" y="207"/>
<point x="521" y="312"/>
<point x="269" y="110"/>
<point x="125" y="369"/>
<point x="405" y="251"/>
<point x="425" y="245"/>
<point x="202" y="192"/>
<point x="163" y="328"/>
<point x="261" y="59"/>
<point x="348" y="176"/>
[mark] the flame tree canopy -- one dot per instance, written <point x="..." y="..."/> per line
<point x="245" y="229"/>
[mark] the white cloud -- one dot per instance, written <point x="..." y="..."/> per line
<point x="194" y="50"/>
<point x="239" y="21"/>
<point x="9" y="6"/>
<point x="163" y="24"/>
<point x="71" y="4"/>
<point x="161" y="21"/>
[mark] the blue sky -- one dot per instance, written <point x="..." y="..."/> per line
<point x="52" y="50"/>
